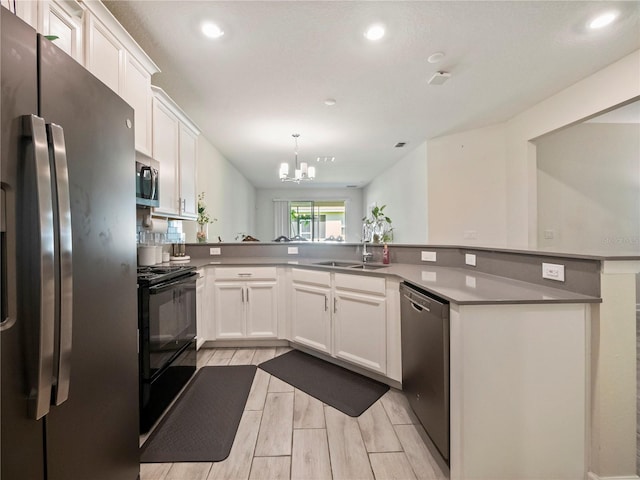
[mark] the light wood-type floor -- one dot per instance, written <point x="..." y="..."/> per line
<point x="286" y="434"/>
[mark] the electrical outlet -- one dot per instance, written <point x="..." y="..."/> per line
<point x="215" y="251"/>
<point x="470" y="281"/>
<point x="553" y="271"/>
<point x="470" y="259"/>
<point x="549" y="234"/>
<point x="428" y="256"/>
<point x="470" y="235"/>
<point x="292" y="250"/>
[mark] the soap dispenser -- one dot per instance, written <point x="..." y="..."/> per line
<point x="385" y="254"/>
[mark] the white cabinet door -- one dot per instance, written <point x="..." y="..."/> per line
<point x="165" y="151"/>
<point x="104" y="54"/>
<point x="311" y="316"/>
<point x="137" y="93"/>
<point x="27" y="10"/>
<point x="360" y="327"/>
<point x="229" y="310"/>
<point x="188" y="142"/>
<point x="201" y="308"/>
<point x="261" y="309"/>
<point x="64" y="23"/>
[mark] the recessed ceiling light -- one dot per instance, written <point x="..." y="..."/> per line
<point x="374" y="32"/>
<point x="436" y="57"/>
<point x="603" y="20"/>
<point x="211" y="30"/>
<point x="330" y="102"/>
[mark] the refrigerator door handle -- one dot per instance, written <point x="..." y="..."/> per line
<point x="60" y="171"/>
<point x="8" y="288"/>
<point x="41" y="376"/>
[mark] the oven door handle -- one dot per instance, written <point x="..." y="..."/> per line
<point x="168" y="286"/>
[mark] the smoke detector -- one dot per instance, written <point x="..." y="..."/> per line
<point x="439" y="78"/>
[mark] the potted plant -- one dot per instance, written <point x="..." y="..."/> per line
<point x="377" y="226"/>
<point x="204" y="219"/>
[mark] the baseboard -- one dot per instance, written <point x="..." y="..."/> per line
<point x="593" y="476"/>
<point x="245" y="343"/>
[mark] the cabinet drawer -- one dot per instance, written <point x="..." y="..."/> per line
<point x="360" y="283"/>
<point x="311" y="276"/>
<point x="246" y="273"/>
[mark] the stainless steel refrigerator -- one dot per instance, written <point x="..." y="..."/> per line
<point x="68" y="364"/>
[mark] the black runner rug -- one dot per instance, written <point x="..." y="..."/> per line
<point x="201" y="425"/>
<point x="344" y="390"/>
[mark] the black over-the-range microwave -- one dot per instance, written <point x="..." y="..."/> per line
<point x="147" y="181"/>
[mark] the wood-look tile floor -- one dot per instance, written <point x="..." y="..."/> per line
<point x="286" y="434"/>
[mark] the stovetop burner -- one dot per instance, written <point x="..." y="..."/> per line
<point x="161" y="273"/>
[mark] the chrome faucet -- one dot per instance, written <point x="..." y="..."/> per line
<point x="365" y="255"/>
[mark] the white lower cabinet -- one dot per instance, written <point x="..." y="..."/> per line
<point x="341" y="315"/>
<point x="312" y="318"/>
<point x="360" y="329"/>
<point x="246" y="303"/>
<point x="201" y="308"/>
<point x="229" y="310"/>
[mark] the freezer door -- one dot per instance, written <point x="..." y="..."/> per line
<point x="22" y="441"/>
<point x="94" y="433"/>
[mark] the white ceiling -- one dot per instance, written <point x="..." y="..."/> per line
<point x="277" y="62"/>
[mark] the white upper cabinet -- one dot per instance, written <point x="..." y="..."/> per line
<point x="137" y="93"/>
<point x="27" y="10"/>
<point x="188" y="145"/>
<point x="62" y="18"/>
<point x="165" y="151"/>
<point x="174" y="139"/>
<point x="105" y="54"/>
<point x="113" y="56"/>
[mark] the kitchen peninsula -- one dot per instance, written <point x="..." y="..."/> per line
<point x="539" y="368"/>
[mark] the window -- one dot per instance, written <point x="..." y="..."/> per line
<point x="318" y="221"/>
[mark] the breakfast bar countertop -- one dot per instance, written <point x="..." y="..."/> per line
<point x="461" y="286"/>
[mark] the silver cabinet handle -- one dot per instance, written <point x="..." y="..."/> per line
<point x="65" y="255"/>
<point x="242" y="292"/>
<point x="245" y="274"/>
<point x="38" y="270"/>
<point x="326" y="303"/>
<point x="335" y="305"/>
<point x="247" y="294"/>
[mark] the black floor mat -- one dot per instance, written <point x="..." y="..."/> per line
<point x="344" y="390"/>
<point x="201" y="425"/>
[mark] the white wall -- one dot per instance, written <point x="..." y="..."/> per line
<point x="264" y="208"/>
<point x="467" y="188"/>
<point x="616" y="84"/>
<point x="228" y="194"/>
<point x="517" y="198"/>
<point x="403" y="189"/>
<point x="589" y="188"/>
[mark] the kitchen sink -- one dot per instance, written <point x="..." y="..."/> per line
<point x="366" y="266"/>
<point x="332" y="263"/>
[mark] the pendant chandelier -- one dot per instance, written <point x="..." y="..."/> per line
<point x="302" y="172"/>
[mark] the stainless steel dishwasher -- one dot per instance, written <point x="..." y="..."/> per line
<point x="425" y="361"/>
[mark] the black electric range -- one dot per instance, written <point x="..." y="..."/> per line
<point x="156" y="274"/>
<point x="167" y="334"/>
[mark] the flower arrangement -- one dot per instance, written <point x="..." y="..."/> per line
<point x="204" y="219"/>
